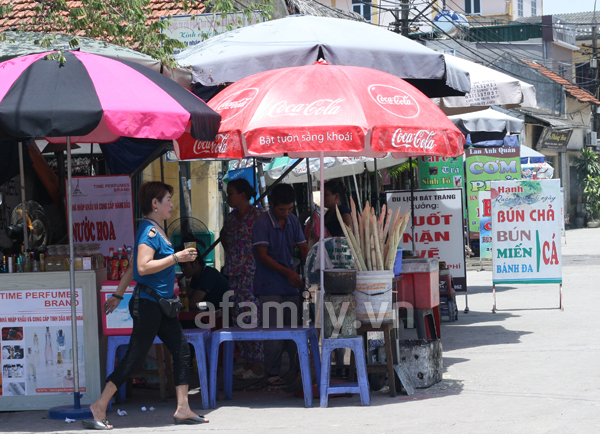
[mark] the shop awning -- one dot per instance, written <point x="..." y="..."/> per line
<point x="555" y="122"/>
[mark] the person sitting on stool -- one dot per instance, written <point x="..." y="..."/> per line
<point x="206" y="284"/>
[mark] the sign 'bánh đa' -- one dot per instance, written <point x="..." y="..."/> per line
<point x="526" y="231"/>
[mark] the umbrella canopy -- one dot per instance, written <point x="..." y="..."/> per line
<point x="488" y="87"/>
<point x="328" y="110"/>
<point x="334" y="167"/>
<point x="486" y="121"/>
<point x="96" y="97"/>
<point x="302" y="39"/>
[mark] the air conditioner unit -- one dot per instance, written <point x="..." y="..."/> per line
<point x="591" y="138"/>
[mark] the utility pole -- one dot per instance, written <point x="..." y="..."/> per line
<point x="594" y="67"/>
<point x="404" y="17"/>
<point x="396" y="22"/>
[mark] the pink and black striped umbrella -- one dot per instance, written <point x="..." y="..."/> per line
<point x="99" y="98"/>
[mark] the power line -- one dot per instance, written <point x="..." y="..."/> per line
<point x="485" y="58"/>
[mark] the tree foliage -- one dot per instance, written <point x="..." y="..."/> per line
<point x="122" y="22"/>
<point x="397" y="170"/>
<point x="587" y="172"/>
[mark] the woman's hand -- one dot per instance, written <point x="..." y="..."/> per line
<point x="187" y="255"/>
<point x="110" y="305"/>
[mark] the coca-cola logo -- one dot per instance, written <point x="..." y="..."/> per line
<point x="393" y="100"/>
<point x="219" y="146"/>
<point x="422" y="139"/>
<point x="320" y="107"/>
<point x="235" y="103"/>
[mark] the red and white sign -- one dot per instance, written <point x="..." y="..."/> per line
<point x="226" y="146"/>
<point x="103" y="211"/>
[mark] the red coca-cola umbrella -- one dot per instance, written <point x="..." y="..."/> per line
<point x="330" y="110"/>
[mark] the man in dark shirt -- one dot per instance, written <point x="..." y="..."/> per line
<point x="276" y="284"/>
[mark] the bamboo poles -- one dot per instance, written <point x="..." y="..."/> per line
<point x="373" y="241"/>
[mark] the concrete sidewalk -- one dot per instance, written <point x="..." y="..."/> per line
<point x="529" y="368"/>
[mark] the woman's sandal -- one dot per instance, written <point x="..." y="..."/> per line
<point x="190" y="420"/>
<point x="97" y="424"/>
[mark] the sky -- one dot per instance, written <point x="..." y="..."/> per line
<point x="569" y="6"/>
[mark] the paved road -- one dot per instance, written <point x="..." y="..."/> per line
<point x="529" y="368"/>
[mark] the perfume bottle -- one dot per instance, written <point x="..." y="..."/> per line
<point x="32" y="371"/>
<point x="49" y="353"/>
<point x="36" y="344"/>
<point x="68" y="379"/>
<point x="60" y="367"/>
<point x="60" y="340"/>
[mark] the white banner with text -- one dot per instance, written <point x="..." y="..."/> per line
<point x="438" y="227"/>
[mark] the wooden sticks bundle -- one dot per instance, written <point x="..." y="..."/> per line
<point x="374" y="241"/>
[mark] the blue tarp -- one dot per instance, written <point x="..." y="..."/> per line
<point x="125" y="156"/>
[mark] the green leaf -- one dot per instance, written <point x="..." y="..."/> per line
<point x="125" y="22"/>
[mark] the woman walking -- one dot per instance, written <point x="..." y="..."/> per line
<point x="153" y="267"/>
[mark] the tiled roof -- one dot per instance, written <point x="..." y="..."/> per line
<point x="573" y="90"/>
<point x="23" y="10"/>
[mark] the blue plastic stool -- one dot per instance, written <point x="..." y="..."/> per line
<point x="301" y="336"/>
<point x="196" y="337"/>
<point x="362" y="387"/>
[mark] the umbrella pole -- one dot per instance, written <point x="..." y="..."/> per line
<point x="254" y="172"/>
<point x="378" y="209"/>
<point x="311" y="207"/>
<point x="76" y="395"/>
<point x="412" y="203"/>
<point x="358" y="193"/>
<point x="75" y="411"/>
<point x="322" y="240"/>
<point x="24" y="200"/>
